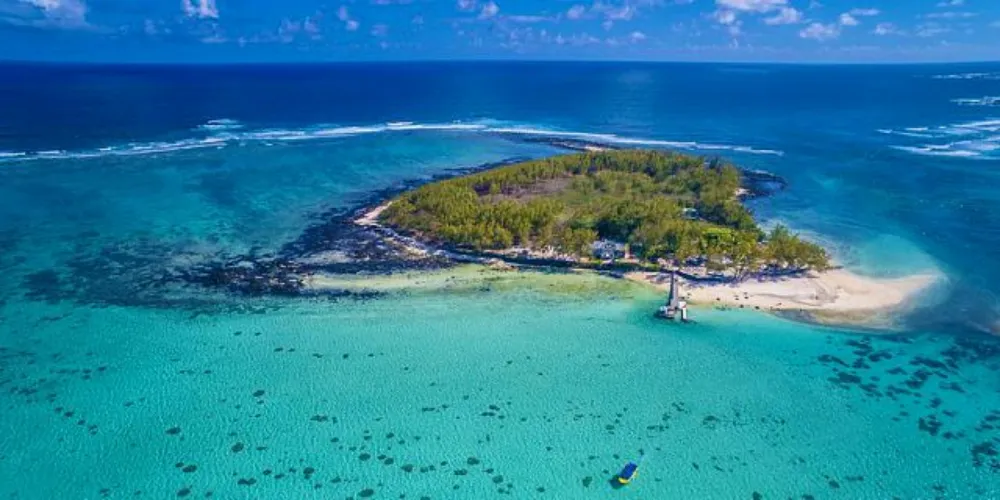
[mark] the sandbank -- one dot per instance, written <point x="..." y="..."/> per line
<point x="836" y="296"/>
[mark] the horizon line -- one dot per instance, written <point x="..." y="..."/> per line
<point x="43" y="62"/>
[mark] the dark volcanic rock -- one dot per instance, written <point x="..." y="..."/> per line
<point x="334" y="244"/>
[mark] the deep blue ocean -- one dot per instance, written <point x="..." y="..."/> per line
<point x="113" y="387"/>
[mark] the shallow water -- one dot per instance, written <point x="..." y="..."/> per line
<point x="113" y="382"/>
<point x="523" y="390"/>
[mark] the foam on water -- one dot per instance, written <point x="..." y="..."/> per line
<point x="978" y="139"/>
<point x="980" y="101"/>
<point x="226" y="132"/>
<point x="904" y="133"/>
<point x="221" y="124"/>
<point x="968" y="76"/>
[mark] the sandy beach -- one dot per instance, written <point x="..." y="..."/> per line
<point x="835" y="296"/>
<point x="370" y="218"/>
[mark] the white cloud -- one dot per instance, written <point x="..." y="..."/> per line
<point x="62" y="13"/>
<point x="725" y="17"/>
<point x="820" y="31"/>
<point x="728" y="19"/>
<point x="311" y="25"/>
<point x="287" y="30"/>
<point x="205" y="9"/>
<point x="46" y="5"/>
<point x="577" y="39"/>
<point x="883" y="29"/>
<point x="576" y="12"/>
<point x="864" y="12"/>
<point x="786" y="15"/>
<point x="380" y="30"/>
<point x="466" y="5"/>
<point x="848" y="20"/>
<point x="951" y="3"/>
<point x="950" y="15"/>
<point x="489" y="10"/>
<point x="344" y="16"/>
<point x="636" y="36"/>
<point x="623" y="13"/>
<point x="762" y="6"/>
<point x="153" y="28"/>
<point x="995" y="24"/>
<point x="214" y="39"/>
<point x="526" y="19"/>
<point x="728" y="13"/>
<point x="928" y="30"/>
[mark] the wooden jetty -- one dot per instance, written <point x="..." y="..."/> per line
<point x="674" y="304"/>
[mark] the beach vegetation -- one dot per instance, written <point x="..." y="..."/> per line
<point x="663" y="205"/>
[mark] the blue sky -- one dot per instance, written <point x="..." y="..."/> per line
<point x="677" y="30"/>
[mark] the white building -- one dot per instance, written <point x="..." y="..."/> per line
<point x="608" y="249"/>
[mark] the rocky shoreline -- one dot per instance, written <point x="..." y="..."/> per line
<point x="334" y="245"/>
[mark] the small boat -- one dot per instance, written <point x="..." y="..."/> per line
<point x="628" y="473"/>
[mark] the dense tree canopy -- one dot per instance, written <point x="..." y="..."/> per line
<point x="663" y="205"/>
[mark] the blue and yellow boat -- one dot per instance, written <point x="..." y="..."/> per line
<point x="628" y="473"/>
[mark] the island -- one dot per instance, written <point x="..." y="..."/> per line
<point x="637" y="209"/>
<point x="645" y="216"/>
<point x="640" y="214"/>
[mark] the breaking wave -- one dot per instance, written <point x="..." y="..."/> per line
<point x="221" y="124"/>
<point x="220" y="133"/>
<point x="981" y="101"/>
<point x="968" y="76"/>
<point x="977" y="140"/>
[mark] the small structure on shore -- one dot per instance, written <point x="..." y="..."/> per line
<point x="608" y="249"/>
<point x="674" y="303"/>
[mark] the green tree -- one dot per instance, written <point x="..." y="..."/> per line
<point x="636" y="197"/>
